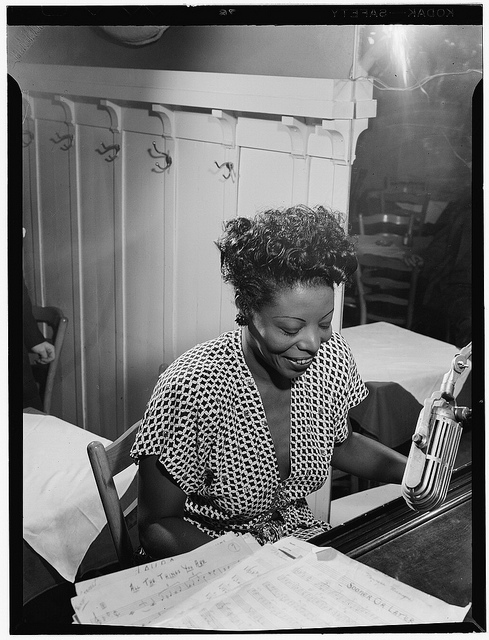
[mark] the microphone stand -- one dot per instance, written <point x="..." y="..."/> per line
<point x="435" y="442"/>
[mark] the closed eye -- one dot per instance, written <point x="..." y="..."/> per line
<point x="290" y="333"/>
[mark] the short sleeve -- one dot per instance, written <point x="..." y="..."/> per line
<point x="169" y="429"/>
<point x="347" y="387"/>
<point x="356" y="392"/>
<point x="357" y="388"/>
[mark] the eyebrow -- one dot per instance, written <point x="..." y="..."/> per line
<point x="302" y="319"/>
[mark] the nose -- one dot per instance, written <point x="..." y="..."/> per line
<point x="310" y="341"/>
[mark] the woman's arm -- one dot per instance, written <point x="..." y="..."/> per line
<point x="162" y="530"/>
<point x="369" y="459"/>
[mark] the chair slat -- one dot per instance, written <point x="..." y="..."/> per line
<point x="393" y="224"/>
<point x="374" y="288"/>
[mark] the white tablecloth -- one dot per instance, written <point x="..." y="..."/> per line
<point x="387" y="353"/>
<point x="62" y="510"/>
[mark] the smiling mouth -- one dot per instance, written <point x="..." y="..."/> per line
<point x="302" y="362"/>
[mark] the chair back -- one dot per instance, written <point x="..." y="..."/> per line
<point x="106" y="463"/>
<point x="408" y="198"/>
<point x="53" y="324"/>
<point x="387" y="290"/>
<point x="386" y="224"/>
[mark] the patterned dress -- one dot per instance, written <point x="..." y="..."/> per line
<point x="206" y="423"/>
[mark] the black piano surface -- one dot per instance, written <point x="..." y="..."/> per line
<point x="433" y="552"/>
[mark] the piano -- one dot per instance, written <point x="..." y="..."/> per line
<point x="434" y="552"/>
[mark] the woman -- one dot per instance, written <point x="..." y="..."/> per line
<point x="240" y="429"/>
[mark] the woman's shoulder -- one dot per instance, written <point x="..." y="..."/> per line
<point x="336" y="351"/>
<point x="337" y="343"/>
<point x="210" y="358"/>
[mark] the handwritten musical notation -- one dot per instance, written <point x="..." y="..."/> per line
<point x="321" y="589"/>
<point x="233" y="584"/>
<point x="141" y="594"/>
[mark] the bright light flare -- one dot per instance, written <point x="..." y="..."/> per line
<point x="398" y="40"/>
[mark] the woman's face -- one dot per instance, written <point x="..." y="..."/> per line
<point x="287" y="334"/>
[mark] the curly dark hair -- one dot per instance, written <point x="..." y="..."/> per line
<point x="281" y="248"/>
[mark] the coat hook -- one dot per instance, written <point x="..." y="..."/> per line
<point x="167" y="166"/>
<point x="114" y="147"/>
<point x="68" y="137"/>
<point x="229" y="166"/>
<point x="162" y="154"/>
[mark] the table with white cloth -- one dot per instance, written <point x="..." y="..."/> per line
<point x="401" y="369"/>
<point x="64" y="525"/>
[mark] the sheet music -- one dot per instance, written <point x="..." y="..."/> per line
<point x="88" y="585"/>
<point x="324" y="589"/>
<point x="138" y="595"/>
<point x="263" y="561"/>
<point x="229" y="585"/>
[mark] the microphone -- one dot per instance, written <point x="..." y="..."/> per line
<point x="435" y="442"/>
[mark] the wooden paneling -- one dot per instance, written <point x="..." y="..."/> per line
<point x="200" y="211"/>
<point x="51" y="224"/>
<point x="302" y="97"/>
<point x="97" y="268"/>
<point x="266" y="180"/>
<point x="28" y="207"/>
<point x="143" y="269"/>
<point x="126" y="247"/>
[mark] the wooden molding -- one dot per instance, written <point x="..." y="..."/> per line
<point x="301" y="97"/>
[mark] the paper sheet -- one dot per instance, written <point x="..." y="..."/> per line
<point x="230" y="585"/>
<point x="138" y="595"/>
<point x="245" y="572"/>
<point x="325" y="589"/>
<point x="92" y="584"/>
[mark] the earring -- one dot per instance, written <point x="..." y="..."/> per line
<point x="241" y="320"/>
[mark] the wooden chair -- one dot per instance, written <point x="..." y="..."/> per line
<point x="406" y="197"/>
<point x="106" y="463"/>
<point x="351" y="305"/>
<point x="53" y="325"/>
<point x="387" y="224"/>
<point x="387" y="290"/>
